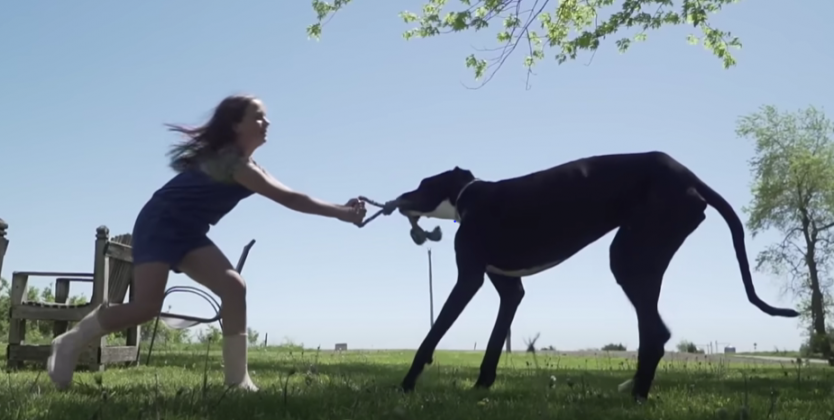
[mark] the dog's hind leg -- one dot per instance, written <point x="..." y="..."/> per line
<point x="470" y="280"/>
<point x="640" y="254"/>
<point x="511" y="292"/>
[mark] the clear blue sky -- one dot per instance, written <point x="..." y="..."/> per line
<point x="86" y="86"/>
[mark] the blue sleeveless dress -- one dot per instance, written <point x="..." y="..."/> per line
<point x="177" y="218"/>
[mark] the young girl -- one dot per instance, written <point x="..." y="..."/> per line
<point x="214" y="172"/>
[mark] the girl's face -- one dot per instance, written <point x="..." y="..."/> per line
<point x="251" y="130"/>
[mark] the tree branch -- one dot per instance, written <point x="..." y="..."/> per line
<point x="824" y="228"/>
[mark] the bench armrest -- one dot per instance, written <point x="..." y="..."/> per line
<point x="20" y="280"/>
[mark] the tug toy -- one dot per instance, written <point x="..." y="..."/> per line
<point x="418" y="234"/>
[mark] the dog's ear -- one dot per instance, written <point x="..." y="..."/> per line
<point x="462" y="172"/>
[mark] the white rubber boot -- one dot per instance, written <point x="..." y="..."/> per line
<point x="67" y="347"/>
<point x="235" y="362"/>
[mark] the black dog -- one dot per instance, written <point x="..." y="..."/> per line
<point x="522" y="226"/>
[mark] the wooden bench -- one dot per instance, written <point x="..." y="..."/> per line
<point x="111" y="278"/>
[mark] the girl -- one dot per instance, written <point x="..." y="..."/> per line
<point x="215" y="171"/>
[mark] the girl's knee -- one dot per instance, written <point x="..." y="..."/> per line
<point x="234" y="289"/>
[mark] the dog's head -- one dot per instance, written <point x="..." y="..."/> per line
<point x="436" y="196"/>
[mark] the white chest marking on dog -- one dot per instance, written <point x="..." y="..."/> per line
<point x="444" y="210"/>
<point x="523" y="272"/>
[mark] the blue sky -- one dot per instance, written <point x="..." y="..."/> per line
<point x="86" y="86"/>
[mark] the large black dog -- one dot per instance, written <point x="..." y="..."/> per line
<point x="522" y="226"/>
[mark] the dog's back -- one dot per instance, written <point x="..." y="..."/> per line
<point x="560" y="210"/>
<point x="557" y="211"/>
<point x="583" y="185"/>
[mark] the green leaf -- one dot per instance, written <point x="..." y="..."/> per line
<point x="479" y="65"/>
<point x="408" y="17"/>
<point x="568" y="27"/>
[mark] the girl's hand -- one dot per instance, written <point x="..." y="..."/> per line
<point x="353" y="212"/>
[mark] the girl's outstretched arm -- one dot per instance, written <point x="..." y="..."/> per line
<point x="260" y="182"/>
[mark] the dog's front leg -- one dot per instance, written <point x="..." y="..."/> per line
<point x="511" y="291"/>
<point x="470" y="279"/>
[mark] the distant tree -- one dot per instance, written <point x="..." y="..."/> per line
<point x="252" y="336"/>
<point x="614" y="347"/>
<point x="568" y="26"/>
<point x="687" y="347"/>
<point x="164" y="333"/>
<point x="793" y="194"/>
<point x="210" y="334"/>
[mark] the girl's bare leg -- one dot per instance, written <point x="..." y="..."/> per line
<point x="209" y="267"/>
<point x="149" y="289"/>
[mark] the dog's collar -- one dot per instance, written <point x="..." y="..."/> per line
<point x="458" y="216"/>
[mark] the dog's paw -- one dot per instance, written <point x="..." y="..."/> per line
<point x="483" y="384"/>
<point x="406" y="387"/>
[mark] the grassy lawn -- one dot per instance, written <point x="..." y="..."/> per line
<point x="793" y="354"/>
<point x="359" y="385"/>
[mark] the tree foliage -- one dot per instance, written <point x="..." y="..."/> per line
<point x="614" y="347"/>
<point x="793" y="194"/>
<point x="685" y="346"/>
<point x="164" y="334"/>
<point x="567" y="26"/>
<point x="210" y="334"/>
<point x="252" y="336"/>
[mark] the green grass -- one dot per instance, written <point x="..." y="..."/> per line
<point x="778" y="353"/>
<point x="359" y="385"/>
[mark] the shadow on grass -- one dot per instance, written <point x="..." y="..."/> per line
<point x="517" y="374"/>
<point x="356" y="385"/>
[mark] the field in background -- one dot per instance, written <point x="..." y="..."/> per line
<point x="360" y="385"/>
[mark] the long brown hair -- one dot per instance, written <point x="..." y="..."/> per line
<point x="210" y="137"/>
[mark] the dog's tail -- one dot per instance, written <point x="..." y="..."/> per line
<point x="737" y="231"/>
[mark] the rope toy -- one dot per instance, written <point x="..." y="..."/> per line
<point x="418" y="234"/>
